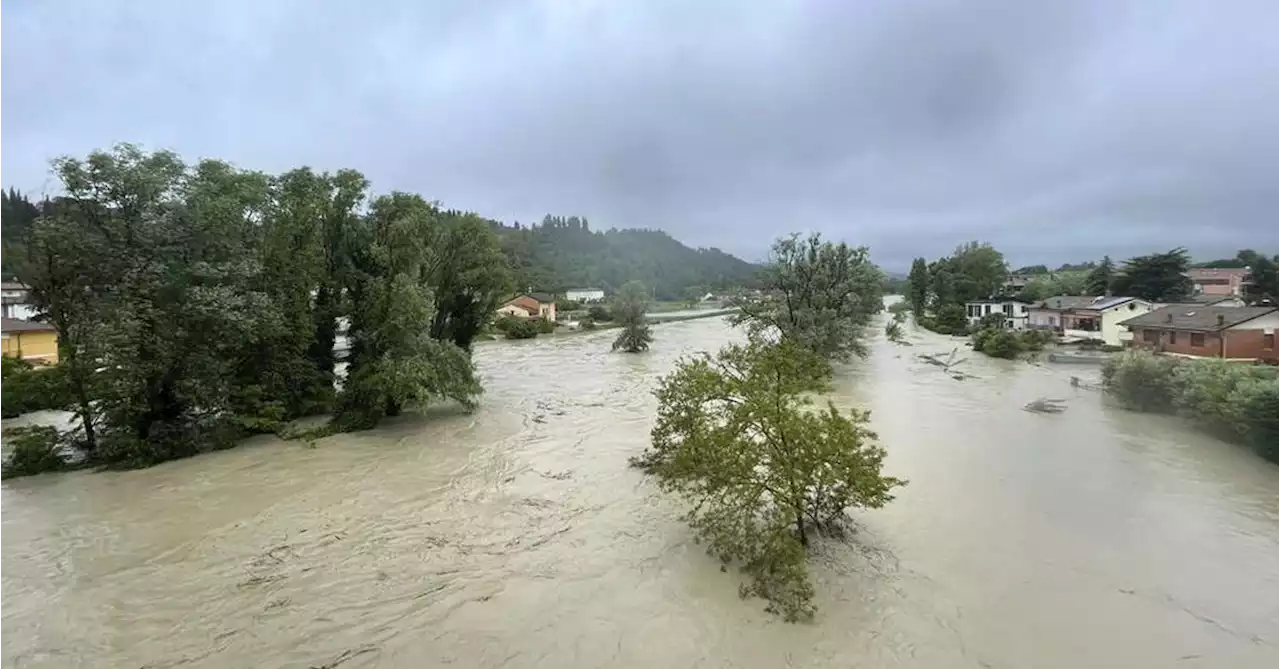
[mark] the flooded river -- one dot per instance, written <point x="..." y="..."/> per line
<point x="517" y="536"/>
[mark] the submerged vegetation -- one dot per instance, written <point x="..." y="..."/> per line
<point x="739" y="436"/>
<point x="629" y="309"/>
<point x="195" y="304"/>
<point x="1233" y="400"/>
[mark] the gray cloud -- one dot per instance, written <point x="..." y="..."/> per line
<point x="1058" y="130"/>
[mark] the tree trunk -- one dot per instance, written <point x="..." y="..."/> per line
<point x="393" y="407"/>
<point x="804" y="538"/>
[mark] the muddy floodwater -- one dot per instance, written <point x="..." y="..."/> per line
<point x="516" y="536"/>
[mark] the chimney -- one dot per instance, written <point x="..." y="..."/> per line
<point x="1168" y="318"/>
<point x="1222" y="319"/>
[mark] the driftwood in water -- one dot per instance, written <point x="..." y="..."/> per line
<point x="1045" y="405"/>
<point x="947" y="364"/>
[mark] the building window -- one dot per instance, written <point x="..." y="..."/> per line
<point x="1173" y="337"/>
<point x="1151" y="336"/>
<point x="1197" y="339"/>
<point x="1268" y="341"/>
<point x="988" y="308"/>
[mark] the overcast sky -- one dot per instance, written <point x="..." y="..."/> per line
<point x="1056" y="129"/>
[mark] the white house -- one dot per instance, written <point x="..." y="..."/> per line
<point x="584" y="294"/>
<point x="1015" y="312"/>
<point x="16" y="301"/>
<point x="1087" y="317"/>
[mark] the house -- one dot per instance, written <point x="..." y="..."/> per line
<point x="584" y="294"/>
<point x="1015" y="311"/>
<point x="1209" y="301"/>
<point x="1233" y="333"/>
<point x="1088" y="317"/>
<point x="1218" y="281"/>
<point x="531" y="305"/>
<point x="16" y="300"/>
<point x="28" y="340"/>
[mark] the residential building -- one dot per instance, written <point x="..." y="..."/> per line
<point x="1015" y="311"/>
<point x="1233" y="333"/>
<point x="584" y="294"/>
<point x="1218" y="281"/>
<point x="1088" y="317"/>
<point x="16" y="300"/>
<point x="531" y="305"/>
<point x="28" y="340"/>
<point x="1208" y="301"/>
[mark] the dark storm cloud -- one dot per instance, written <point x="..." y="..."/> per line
<point x="1058" y="130"/>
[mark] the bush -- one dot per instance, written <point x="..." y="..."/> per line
<point x="26" y="388"/>
<point x="997" y="343"/>
<point x="514" y="327"/>
<point x="1234" y="400"/>
<point x="949" y="319"/>
<point x="568" y="305"/>
<point x="1141" y="381"/>
<point x="35" y="450"/>
<point x="600" y="313"/>
<point x="1259" y="404"/>
<point x="545" y="326"/>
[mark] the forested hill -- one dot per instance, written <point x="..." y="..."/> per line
<point x="553" y="256"/>
<point x="561" y="253"/>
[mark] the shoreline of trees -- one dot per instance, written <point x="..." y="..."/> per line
<point x="197" y="304"/>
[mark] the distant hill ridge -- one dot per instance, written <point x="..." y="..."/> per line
<point x="564" y="252"/>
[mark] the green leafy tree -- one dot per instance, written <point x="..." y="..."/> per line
<point x="738" y="438"/>
<point x="469" y="275"/>
<point x="979" y="271"/>
<point x="1099" y="278"/>
<point x="1159" y="277"/>
<point x="1261" y="284"/>
<point x="393" y="360"/>
<point x="17" y="219"/>
<point x="818" y="294"/>
<point x="629" y="307"/>
<point x="918" y="286"/>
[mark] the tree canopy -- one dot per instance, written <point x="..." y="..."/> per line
<point x="1159" y="277"/>
<point x="629" y="309"/>
<point x="195" y="303"/>
<point x="738" y="438"/>
<point x="818" y="294"/>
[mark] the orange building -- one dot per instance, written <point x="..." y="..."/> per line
<point x="30" y="341"/>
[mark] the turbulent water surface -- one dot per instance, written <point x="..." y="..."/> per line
<point x="517" y="536"/>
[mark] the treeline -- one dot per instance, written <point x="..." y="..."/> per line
<point x="937" y="291"/>
<point x="562" y="253"/>
<point x="738" y="435"/>
<point x="1235" y="401"/>
<point x="197" y="303"/>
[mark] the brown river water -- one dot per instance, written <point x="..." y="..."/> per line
<point x="516" y="536"/>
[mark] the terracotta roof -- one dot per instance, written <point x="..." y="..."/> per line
<point x="1196" y="318"/>
<point x="15" y="325"/>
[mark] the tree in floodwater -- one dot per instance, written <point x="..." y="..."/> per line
<point x="817" y="294"/>
<point x="737" y="436"/>
<point x="468" y="274"/>
<point x="394" y="361"/>
<point x="629" y="309"/>
<point x="918" y="286"/>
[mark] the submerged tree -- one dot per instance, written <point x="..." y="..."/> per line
<point x="818" y="294"/>
<point x="918" y="286"/>
<point x="394" y="361"/>
<point x="468" y="274"/>
<point x="738" y="437"/>
<point x="629" y="309"/>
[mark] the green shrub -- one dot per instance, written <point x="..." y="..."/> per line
<point x="36" y="450"/>
<point x="545" y="326"/>
<point x="1259" y="403"/>
<point x="26" y="388"/>
<point x="513" y="327"/>
<point x="599" y="313"/>
<point x="1035" y="340"/>
<point x="1141" y="381"/>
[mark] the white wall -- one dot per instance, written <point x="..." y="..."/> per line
<point x="1111" y="331"/>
